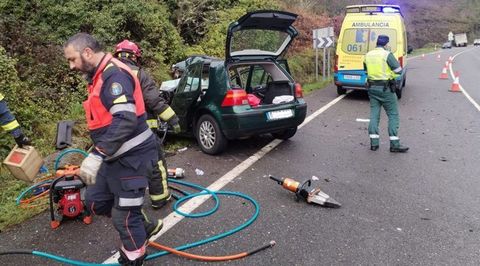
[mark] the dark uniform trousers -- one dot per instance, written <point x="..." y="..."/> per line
<point x="119" y="192"/>
<point x="158" y="187"/>
<point x="381" y="96"/>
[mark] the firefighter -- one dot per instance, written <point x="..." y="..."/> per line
<point x="157" y="109"/>
<point x="124" y="151"/>
<point x="382" y="67"/>
<point x="11" y="125"/>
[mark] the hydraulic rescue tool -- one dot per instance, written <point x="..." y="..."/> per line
<point x="66" y="193"/>
<point x="307" y="191"/>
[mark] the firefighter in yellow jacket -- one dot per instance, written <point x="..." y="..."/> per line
<point x="157" y="109"/>
<point x="382" y="67"/>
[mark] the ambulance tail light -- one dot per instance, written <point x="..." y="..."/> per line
<point x="400" y="60"/>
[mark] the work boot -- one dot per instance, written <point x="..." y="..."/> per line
<point x="374" y="147"/>
<point x="157" y="204"/>
<point x="125" y="261"/>
<point x="399" y="148"/>
<point x="152" y="227"/>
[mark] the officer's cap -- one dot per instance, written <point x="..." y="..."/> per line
<point x="382" y="40"/>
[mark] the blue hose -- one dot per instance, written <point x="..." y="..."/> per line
<point x="65" y="152"/>
<point x="20" y="197"/>
<point x="204" y="191"/>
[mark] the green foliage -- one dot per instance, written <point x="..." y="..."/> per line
<point x="213" y="43"/>
<point x="302" y="65"/>
<point x="10" y="213"/>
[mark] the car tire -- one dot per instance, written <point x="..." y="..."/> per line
<point x="209" y="136"/>
<point x="285" y="134"/>
<point x="341" y="90"/>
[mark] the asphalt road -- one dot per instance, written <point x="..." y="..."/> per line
<point x="418" y="208"/>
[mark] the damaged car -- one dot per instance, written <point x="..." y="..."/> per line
<point x="250" y="92"/>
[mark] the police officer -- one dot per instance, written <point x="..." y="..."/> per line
<point x="124" y="147"/>
<point x="382" y="67"/>
<point x="10" y="124"/>
<point x="157" y="109"/>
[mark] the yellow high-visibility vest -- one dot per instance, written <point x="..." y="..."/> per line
<point x="377" y="67"/>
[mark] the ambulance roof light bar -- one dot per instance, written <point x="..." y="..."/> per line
<point x="373" y="9"/>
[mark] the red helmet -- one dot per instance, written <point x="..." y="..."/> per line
<point x="129" y="47"/>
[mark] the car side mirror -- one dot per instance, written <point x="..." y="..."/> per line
<point x="409" y="49"/>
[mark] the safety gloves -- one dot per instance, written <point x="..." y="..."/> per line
<point x="173" y="122"/>
<point x="90" y="167"/>
<point x="171" y="118"/>
<point x="22" y="140"/>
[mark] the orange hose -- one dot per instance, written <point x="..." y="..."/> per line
<point x="198" y="257"/>
<point x="26" y="201"/>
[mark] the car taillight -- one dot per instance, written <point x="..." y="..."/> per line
<point x="298" y="90"/>
<point x="235" y="97"/>
<point x="335" y="66"/>
<point x="400" y="60"/>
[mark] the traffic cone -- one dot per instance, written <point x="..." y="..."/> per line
<point x="444" y="74"/>
<point x="447" y="63"/>
<point x="450" y="59"/>
<point x="456" y="85"/>
<point x="438" y="57"/>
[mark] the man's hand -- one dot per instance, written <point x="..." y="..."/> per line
<point x="22" y="140"/>
<point x="89" y="168"/>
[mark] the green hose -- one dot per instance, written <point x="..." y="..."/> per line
<point x="203" y="191"/>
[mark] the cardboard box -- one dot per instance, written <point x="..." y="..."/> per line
<point x="24" y="163"/>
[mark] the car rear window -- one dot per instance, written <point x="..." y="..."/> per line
<point x="256" y="41"/>
<point x="360" y="41"/>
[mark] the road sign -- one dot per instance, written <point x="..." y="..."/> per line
<point x="322" y="36"/>
<point x="322" y="42"/>
<point x="450" y="36"/>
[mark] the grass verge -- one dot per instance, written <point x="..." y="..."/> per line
<point x="10" y="213"/>
<point x="428" y="48"/>
<point x="310" y="87"/>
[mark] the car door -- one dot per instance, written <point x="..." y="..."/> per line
<point x="187" y="94"/>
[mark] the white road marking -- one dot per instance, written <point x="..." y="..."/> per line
<point x="364" y="120"/>
<point x="475" y="104"/>
<point x="188" y="207"/>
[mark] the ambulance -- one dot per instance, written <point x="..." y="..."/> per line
<point x="358" y="35"/>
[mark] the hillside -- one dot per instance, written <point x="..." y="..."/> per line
<point x="427" y="21"/>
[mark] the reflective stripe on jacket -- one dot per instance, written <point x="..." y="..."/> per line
<point x="96" y="114"/>
<point x="377" y="67"/>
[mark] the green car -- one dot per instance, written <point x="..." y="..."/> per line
<point x="248" y="93"/>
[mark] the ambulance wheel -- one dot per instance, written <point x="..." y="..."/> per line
<point x="341" y="90"/>
<point x="399" y="93"/>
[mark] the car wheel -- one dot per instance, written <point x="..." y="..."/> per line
<point x="341" y="90"/>
<point x="285" y="134"/>
<point x="209" y="136"/>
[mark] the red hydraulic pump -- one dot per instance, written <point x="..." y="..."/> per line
<point x="66" y="193"/>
